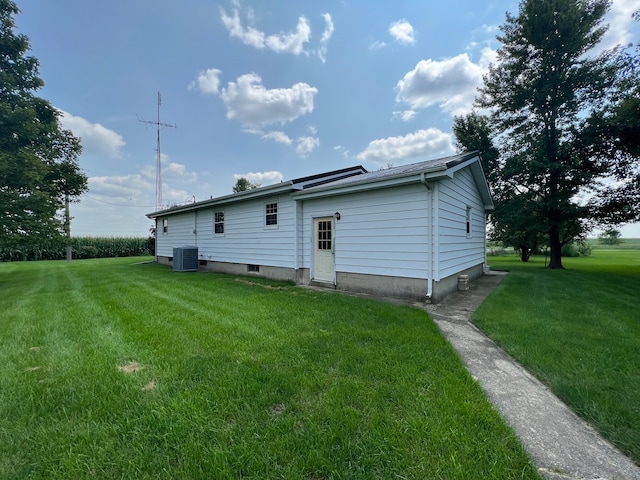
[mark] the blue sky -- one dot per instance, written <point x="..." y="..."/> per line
<point x="266" y="90"/>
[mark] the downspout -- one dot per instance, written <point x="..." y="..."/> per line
<point x="157" y="220"/>
<point x="297" y="239"/>
<point x="430" y="242"/>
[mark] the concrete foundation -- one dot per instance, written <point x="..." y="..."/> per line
<point x="274" y="273"/>
<point x="401" y="287"/>
<point x="382" y="285"/>
<point x="447" y="285"/>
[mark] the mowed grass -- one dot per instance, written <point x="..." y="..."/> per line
<point x="119" y="369"/>
<point x="578" y="330"/>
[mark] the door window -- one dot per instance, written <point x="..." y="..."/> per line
<point x="324" y="235"/>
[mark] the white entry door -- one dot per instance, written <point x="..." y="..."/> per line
<point x="323" y="250"/>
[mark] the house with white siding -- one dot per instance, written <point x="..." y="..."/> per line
<point x="407" y="231"/>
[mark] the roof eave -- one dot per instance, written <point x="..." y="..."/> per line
<point x="374" y="183"/>
<point x="282" y="187"/>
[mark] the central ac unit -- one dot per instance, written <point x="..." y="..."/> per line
<point x="185" y="259"/>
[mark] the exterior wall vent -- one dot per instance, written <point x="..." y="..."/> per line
<point x="185" y="259"/>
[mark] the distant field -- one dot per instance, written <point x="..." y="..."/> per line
<point x="625" y="244"/>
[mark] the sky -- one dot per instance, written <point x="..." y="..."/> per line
<point x="269" y="91"/>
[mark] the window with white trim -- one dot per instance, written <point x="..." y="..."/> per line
<point x="165" y="226"/>
<point x="468" y="222"/>
<point x="218" y="223"/>
<point x="271" y="214"/>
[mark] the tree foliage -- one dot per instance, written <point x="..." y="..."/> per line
<point x="473" y="132"/>
<point x="610" y="236"/>
<point x="38" y="158"/>
<point x="616" y="132"/>
<point x="243" y="184"/>
<point x="514" y="222"/>
<point x="551" y="100"/>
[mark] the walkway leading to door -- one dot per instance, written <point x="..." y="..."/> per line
<point x="559" y="443"/>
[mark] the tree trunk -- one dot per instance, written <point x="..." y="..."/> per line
<point x="555" y="249"/>
<point x="525" y="253"/>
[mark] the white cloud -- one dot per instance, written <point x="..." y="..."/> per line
<point x="377" y="44"/>
<point x="123" y="188"/>
<point x="326" y="36"/>
<point x="208" y="81"/>
<point x="249" y="35"/>
<point x="342" y="149"/>
<point x="402" y="32"/>
<point x="178" y="172"/>
<point x="95" y="138"/>
<point x="306" y="145"/>
<point x="132" y="190"/>
<point x="449" y="83"/>
<point x="278" y="136"/>
<point x="291" y="42"/>
<point x="405" y="115"/>
<point x="171" y="171"/>
<point x="281" y="42"/>
<point x="487" y="56"/>
<point x="620" y="23"/>
<point x="261" y="178"/>
<point x="249" y="102"/>
<point x="421" y="143"/>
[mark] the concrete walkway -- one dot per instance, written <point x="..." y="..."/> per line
<point x="559" y="443"/>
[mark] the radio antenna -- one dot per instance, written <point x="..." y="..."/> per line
<point x="158" y="124"/>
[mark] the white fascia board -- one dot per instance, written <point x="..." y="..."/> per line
<point x="373" y="184"/>
<point x="282" y="187"/>
<point x="482" y="184"/>
<point x="479" y="177"/>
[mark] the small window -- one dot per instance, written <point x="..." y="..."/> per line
<point x="218" y="223"/>
<point x="253" y="268"/>
<point x="468" y="222"/>
<point x="165" y="226"/>
<point x="271" y="210"/>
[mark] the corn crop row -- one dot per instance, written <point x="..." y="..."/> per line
<point x="81" y="247"/>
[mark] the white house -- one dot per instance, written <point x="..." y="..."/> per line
<point x="407" y="231"/>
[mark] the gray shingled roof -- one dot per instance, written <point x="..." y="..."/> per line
<point x="412" y="168"/>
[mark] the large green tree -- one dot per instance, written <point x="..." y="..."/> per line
<point x="514" y="221"/>
<point x="242" y="184"/>
<point x="542" y="91"/>
<point x="616" y="133"/>
<point x="38" y="158"/>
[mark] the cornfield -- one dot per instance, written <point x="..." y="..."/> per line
<point x="81" y="247"/>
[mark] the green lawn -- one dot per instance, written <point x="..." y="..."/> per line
<point x="120" y="369"/>
<point x="578" y="330"/>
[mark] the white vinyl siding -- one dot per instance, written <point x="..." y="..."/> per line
<point x="381" y="232"/>
<point x="457" y="249"/>
<point x="245" y="239"/>
<point x="179" y="233"/>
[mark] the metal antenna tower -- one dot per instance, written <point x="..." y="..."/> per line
<point x="158" y="124"/>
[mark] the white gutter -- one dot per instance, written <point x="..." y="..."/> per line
<point x="430" y="241"/>
<point x="278" y="188"/>
<point x="358" y="185"/>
